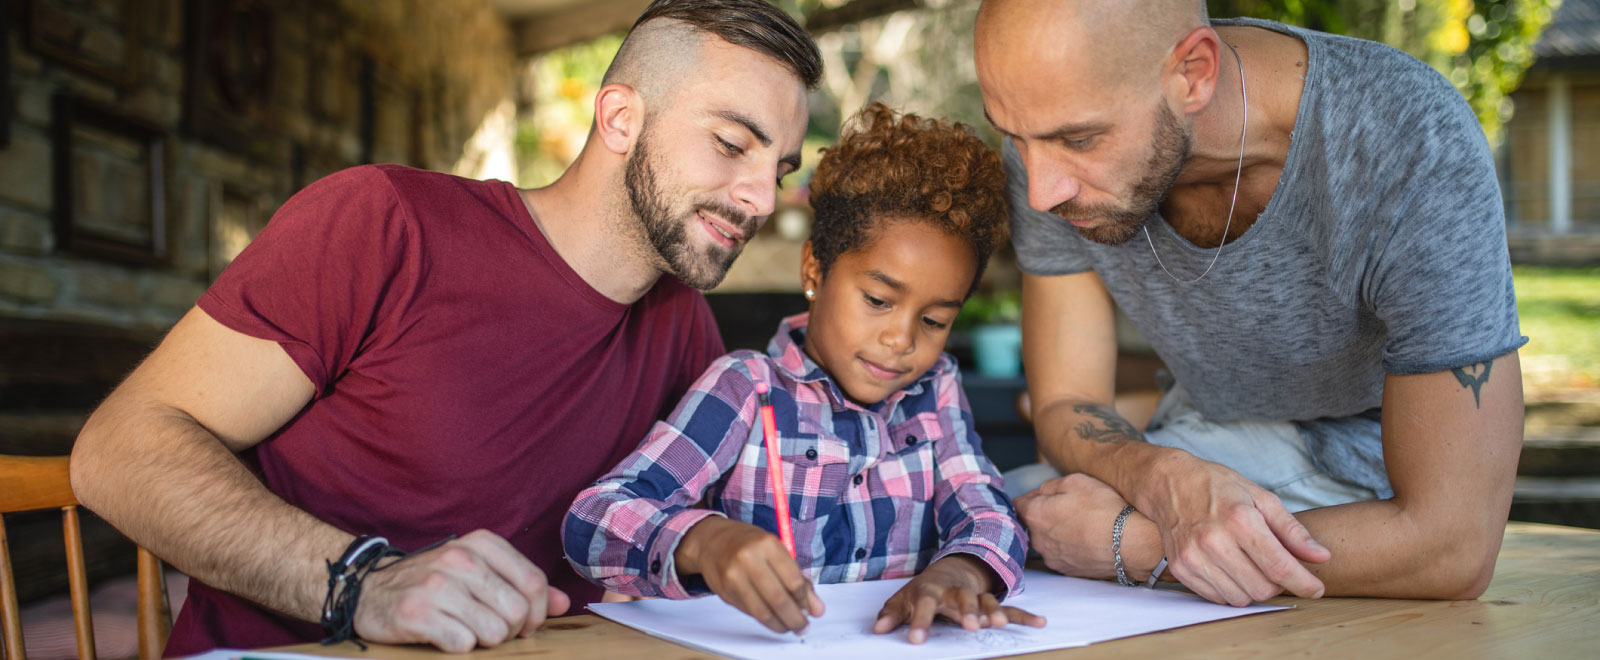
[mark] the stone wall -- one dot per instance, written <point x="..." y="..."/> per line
<point x="241" y="102"/>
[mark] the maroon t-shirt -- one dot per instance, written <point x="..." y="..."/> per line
<point x="466" y="377"/>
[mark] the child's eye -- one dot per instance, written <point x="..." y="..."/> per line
<point x="729" y="147"/>
<point x="875" y="302"/>
<point x="932" y="323"/>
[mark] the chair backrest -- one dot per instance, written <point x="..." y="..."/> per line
<point x="29" y="484"/>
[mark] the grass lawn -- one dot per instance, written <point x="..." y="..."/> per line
<point x="1560" y="313"/>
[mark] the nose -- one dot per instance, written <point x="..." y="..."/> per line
<point x="1049" y="183"/>
<point x="757" y="192"/>
<point x="899" y="336"/>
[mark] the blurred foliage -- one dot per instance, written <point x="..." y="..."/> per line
<point x="562" y="85"/>
<point x="1482" y="46"/>
<point x="1560" y="313"/>
<point x="920" y="60"/>
<point x="987" y="308"/>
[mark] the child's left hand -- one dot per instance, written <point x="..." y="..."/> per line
<point x="958" y="588"/>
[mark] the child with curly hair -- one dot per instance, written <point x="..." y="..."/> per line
<point x="886" y="477"/>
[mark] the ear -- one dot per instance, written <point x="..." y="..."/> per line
<point x="1192" y="70"/>
<point x="618" y="117"/>
<point x="810" y="269"/>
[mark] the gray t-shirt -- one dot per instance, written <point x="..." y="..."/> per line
<point x="1382" y="251"/>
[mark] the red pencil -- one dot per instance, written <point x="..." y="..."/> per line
<point x="780" y="496"/>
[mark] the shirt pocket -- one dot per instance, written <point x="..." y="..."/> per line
<point x="816" y="472"/>
<point x="909" y="469"/>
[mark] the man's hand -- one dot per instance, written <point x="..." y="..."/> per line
<point x="474" y="591"/>
<point x="751" y="570"/>
<point x="1069" y="523"/>
<point x="958" y="588"/>
<point x="1226" y="538"/>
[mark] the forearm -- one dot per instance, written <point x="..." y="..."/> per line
<point x="174" y="488"/>
<point x="1082" y="435"/>
<point x="1387" y="550"/>
<point x="1379" y="549"/>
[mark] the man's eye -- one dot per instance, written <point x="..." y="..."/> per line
<point x="875" y="302"/>
<point x="1079" y="144"/>
<point x="728" y="147"/>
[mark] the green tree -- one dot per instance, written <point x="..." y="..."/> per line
<point x="1482" y="46"/>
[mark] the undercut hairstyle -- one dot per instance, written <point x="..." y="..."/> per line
<point x="889" y="167"/>
<point x="653" y="54"/>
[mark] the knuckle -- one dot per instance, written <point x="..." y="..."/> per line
<point x="495" y="631"/>
<point x="412" y="609"/>
<point x="1279" y="568"/>
<point x="457" y="557"/>
<point x="457" y="642"/>
<point x="435" y="581"/>
<point x="517" y="608"/>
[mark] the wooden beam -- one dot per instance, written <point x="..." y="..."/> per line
<point x="590" y="20"/>
<point x="855" y="11"/>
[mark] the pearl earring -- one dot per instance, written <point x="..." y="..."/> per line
<point x="811" y="294"/>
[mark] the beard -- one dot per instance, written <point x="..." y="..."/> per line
<point x="1171" y="150"/>
<point x="667" y="229"/>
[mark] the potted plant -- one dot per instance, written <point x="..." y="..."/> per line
<point x="994" y="321"/>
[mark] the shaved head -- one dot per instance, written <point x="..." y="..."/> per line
<point x="1123" y="41"/>
<point x="1099" y="99"/>
<point x="655" y="55"/>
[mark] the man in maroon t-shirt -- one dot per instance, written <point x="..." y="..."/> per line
<point x="411" y="355"/>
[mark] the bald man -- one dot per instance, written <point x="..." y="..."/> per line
<point x="403" y="358"/>
<point x="1308" y="230"/>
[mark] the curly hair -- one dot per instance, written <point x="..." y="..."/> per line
<point x="889" y="166"/>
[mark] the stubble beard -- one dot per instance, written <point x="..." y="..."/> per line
<point x="667" y="231"/>
<point x="1122" y="223"/>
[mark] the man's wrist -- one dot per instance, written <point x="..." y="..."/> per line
<point x="1141" y="546"/>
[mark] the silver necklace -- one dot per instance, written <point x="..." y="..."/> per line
<point x="1245" y="99"/>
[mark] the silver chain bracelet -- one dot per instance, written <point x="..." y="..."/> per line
<point x="1116" y="547"/>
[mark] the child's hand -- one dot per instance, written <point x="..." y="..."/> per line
<point x="958" y="588"/>
<point x="750" y="569"/>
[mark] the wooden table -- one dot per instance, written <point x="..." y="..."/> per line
<point x="1544" y="602"/>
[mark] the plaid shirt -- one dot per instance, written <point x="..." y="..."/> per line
<point x="877" y="492"/>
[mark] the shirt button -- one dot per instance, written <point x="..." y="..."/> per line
<point x="861" y="553"/>
<point x="811" y="453"/>
<point x="858" y="480"/>
<point x="911" y="440"/>
<point x="655" y="567"/>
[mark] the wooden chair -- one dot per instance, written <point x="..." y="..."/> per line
<point x="29" y="484"/>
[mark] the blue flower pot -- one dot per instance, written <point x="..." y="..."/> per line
<point x="998" y="350"/>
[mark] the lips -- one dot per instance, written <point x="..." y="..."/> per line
<point x="879" y="371"/>
<point x="728" y="233"/>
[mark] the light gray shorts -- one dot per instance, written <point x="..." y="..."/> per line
<point x="1273" y="455"/>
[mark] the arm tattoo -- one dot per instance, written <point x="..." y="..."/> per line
<point x="1114" y="426"/>
<point x="1474" y="377"/>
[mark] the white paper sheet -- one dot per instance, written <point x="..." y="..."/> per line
<point x="1080" y="612"/>
<point x="237" y="654"/>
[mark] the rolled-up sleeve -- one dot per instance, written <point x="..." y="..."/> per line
<point x="971" y="508"/>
